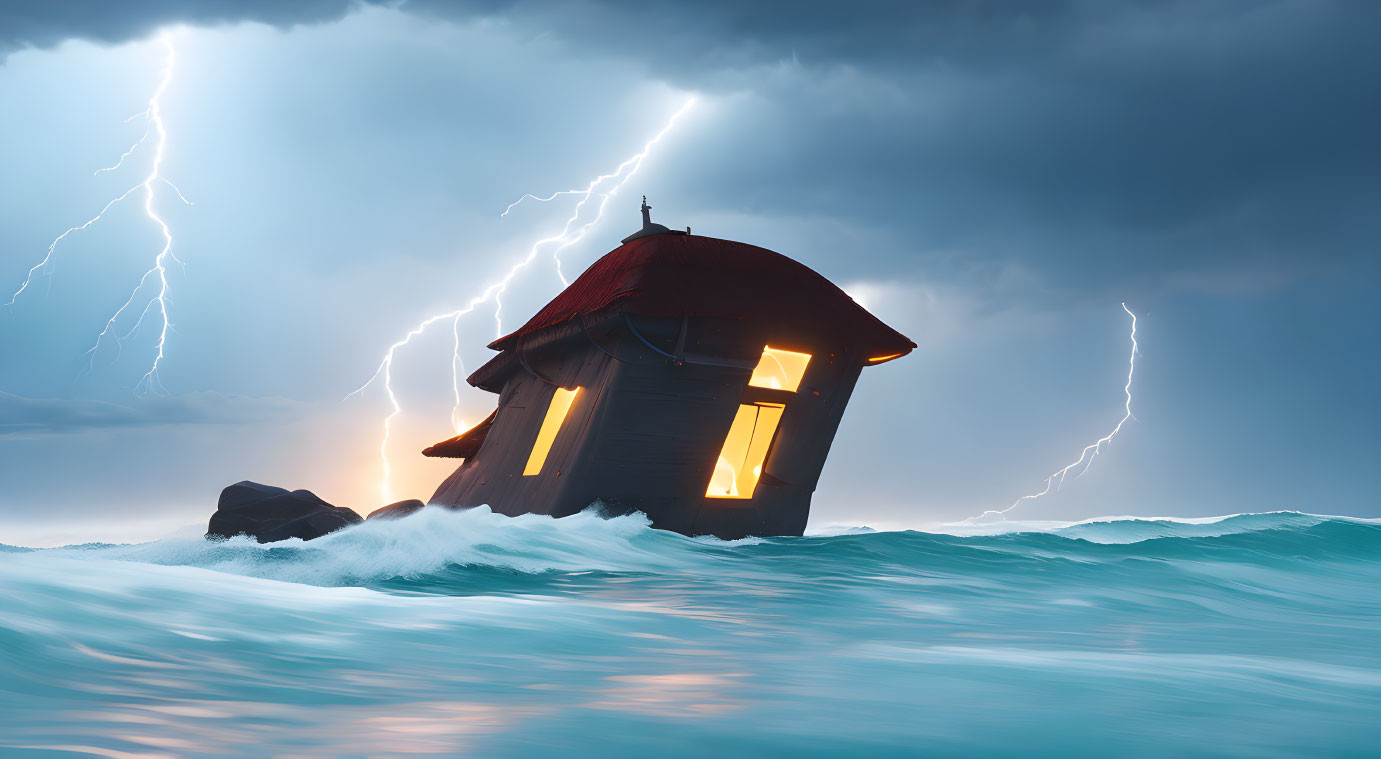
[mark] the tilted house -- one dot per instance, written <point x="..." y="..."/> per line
<point x="699" y="381"/>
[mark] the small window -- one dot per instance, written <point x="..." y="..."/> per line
<point x="779" y="369"/>
<point x="740" y="462"/>
<point x="556" y="414"/>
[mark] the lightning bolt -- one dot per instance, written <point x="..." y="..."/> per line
<point x="158" y="271"/>
<point x="1091" y="450"/>
<point x="547" y="199"/>
<point x="605" y="187"/>
<point x="631" y="166"/>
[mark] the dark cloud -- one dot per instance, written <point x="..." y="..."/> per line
<point x="1130" y="151"/>
<point x="40" y="23"/>
<point x="1122" y="145"/>
<point x="714" y="34"/>
<point x="691" y="39"/>
<point x="1136" y="147"/>
<point x="957" y="158"/>
<point x="22" y="417"/>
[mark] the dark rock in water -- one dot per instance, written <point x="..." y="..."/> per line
<point x="270" y="514"/>
<point x="396" y="510"/>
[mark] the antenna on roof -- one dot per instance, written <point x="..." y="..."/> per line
<point x="652" y="229"/>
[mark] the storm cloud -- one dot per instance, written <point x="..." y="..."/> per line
<point x="715" y="34"/>
<point x="1161" y="143"/>
<point x="44" y="24"/>
<point x="992" y="178"/>
<point x="24" y="418"/>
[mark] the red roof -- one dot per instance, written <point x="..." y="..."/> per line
<point x="673" y="275"/>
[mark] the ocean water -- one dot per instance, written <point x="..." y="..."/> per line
<point x="467" y="633"/>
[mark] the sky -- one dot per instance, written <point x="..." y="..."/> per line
<point x="992" y="179"/>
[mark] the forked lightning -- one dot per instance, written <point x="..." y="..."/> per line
<point x="1091" y="450"/>
<point x="153" y="126"/>
<point x="574" y="230"/>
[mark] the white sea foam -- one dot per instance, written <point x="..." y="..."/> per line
<point x="423" y="543"/>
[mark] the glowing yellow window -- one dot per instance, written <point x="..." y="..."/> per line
<point x="739" y="467"/>
<point x="779" y="369"/>
<point x="556" y="414"/>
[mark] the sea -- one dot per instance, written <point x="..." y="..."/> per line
<point x="471" y="634"/>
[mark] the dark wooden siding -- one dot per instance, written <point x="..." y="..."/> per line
<point x="644" y="433"/>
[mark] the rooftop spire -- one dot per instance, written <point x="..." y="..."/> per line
<point x="650" y="228"/>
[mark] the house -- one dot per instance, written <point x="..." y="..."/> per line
<point x="696" y="380"/>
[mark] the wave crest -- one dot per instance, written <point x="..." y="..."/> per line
<point x="440" y="541"/>
<point x="424" y="543"/>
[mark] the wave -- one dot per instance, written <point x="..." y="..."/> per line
<point x="468" y="632"/>
<point x="1133" y="529"/>
<point x="424" y="543"/>
<point x="437" y="541"/>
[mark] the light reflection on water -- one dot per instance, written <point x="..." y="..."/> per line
<point x="529" y="637"/>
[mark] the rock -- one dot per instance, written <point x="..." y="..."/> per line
<point x="269" y="514"/>
<point x="396" y="510"/>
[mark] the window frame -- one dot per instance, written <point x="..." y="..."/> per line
<point x="550" y="429"/>
<point x="760" y="396"/>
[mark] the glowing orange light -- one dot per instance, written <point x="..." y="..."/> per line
<point x="879" y="359"/>
<point x="779" y="369"/>
<point x="556" y="414"/>
<point x="739" y="468"/>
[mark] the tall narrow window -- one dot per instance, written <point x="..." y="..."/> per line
<point x="745" y="449"/>
<point x="779" y="369"/>
<point x="740" y="463"/>
<point x="556" y="414"/>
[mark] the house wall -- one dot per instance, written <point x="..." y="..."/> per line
<point x="494" y="476"/>
<point x="644" y="434"/>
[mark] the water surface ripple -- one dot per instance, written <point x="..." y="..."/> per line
<point x="447" y="633"/>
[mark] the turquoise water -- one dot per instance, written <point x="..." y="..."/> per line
<point x="468" y="633"/>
